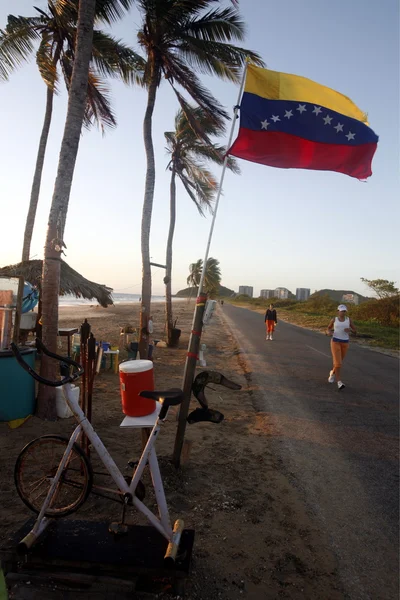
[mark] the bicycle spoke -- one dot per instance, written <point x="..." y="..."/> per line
<point x="32" y="488"/>
<point x="37" y="467"/>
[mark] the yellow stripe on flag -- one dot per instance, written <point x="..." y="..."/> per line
<point x="274" y="85"/>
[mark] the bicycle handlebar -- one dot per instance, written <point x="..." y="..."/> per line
<point x="40" y="346"/>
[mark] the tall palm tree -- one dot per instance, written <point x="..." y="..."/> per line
<point x="77" y="99"/>
<point x="212" y="277"/>
<point x="180" y="39"/>
<point x="188" y="155"/>
<point x="55" y="32"/>
<point x="69" y="149"/>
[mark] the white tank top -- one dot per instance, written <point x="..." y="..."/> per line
<point x="339" y="327"/>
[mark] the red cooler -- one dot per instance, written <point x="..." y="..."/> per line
<point x="134" y="377"/>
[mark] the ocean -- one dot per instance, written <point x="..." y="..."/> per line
<point x="117" y="298"/>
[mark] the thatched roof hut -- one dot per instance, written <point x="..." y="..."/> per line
<point x="71" y="282"/>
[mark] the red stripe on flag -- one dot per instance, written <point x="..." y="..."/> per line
<point x="277" y="149"/>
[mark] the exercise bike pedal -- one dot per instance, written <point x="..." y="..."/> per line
<point x="140" y="491"/>
<point x="118" y="528"/>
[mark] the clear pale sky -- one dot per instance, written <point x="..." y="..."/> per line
<point x="274" y="227"/>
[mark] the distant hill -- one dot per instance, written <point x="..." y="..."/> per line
<point x="224" y="292"/>
<point x="336" y="295"/>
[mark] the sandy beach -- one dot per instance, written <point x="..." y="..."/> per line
<point x="254" y="539"/>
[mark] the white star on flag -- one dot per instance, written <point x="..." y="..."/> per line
<point x="327" y="120"/>
<point x="288" y="114"/>
<point x="317" y="110"/>
<point x="301" y="108"/>
<point x="275" y="118"/>
<point x="350" y="136"/>
<point x="264" y="124"/>
<point x="339" y="127"/>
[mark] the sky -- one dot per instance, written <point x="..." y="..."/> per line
<point x="274" y="227"/>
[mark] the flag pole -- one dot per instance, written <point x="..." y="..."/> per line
<point x="235" y="113"/>
<point x="197" y="324"/>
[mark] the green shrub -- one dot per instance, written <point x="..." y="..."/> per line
<point x="384" y="311"/>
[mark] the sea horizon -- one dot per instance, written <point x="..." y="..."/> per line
<point x="118" y="298"/>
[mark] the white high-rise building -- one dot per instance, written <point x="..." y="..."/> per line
<point x="281" y="293"/>
<point x="246" y="290"/>
<point x="302" y="294"/>
<point x="267" y="293"/>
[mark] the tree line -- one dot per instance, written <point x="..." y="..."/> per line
<point x="177" y="41"/>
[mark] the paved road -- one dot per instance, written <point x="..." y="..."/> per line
<point x="340" y="449"/>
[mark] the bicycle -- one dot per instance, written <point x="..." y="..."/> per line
<point x="57" y="469"/>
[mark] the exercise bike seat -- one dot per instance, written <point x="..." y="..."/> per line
<point x="171" y="397"/>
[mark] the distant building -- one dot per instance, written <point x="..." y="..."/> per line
<point x="302" y="294"/>
<point x="246" y="290"/>
<point x="281" y="293"/>
<point x="350" y="298"/>
<point x="267" y="293"/>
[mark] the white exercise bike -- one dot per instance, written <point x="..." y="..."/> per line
<point x="54" y="476"/>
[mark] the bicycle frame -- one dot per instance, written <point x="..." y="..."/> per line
<point x="162" y="524"/>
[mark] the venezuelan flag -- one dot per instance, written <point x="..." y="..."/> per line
<point x="289" y="121"/>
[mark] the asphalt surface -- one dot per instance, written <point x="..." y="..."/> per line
<point x="339" y="448"/>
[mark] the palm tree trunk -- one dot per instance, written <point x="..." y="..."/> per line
<point x="168" y="261"/>
<point x="146" y="215"/>
<point x="59" y="206"/>
<point x="33" y="202"/>
<point x="37" y="178"/>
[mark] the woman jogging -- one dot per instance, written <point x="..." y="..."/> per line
<point x="270" y="321"/>
<point x="340" y="328"/>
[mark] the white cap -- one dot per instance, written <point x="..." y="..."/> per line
<point x="342" y="307"/>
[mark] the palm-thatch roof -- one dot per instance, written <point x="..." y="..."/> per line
<point x="71" y="282"/>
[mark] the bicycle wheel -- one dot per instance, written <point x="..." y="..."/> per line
<point x="36" y="467"/>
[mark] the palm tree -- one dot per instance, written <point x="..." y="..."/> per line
<point x="55" y="31"/>
<point x="188" y="155"/>
<point x="77" y="99"/>
<point x="59" y="205"/>
<point x="212" y="278"/>
<point x="181" y="39"/>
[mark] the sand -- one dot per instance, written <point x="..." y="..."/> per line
<point x="254" y="538"/>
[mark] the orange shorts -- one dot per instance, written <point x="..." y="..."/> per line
<point x="339" y="351"/>
<point x="270" y="325"/>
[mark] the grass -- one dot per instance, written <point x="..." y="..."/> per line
<point x="368" y="332"/>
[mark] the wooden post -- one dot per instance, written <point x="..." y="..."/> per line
<point x="188" y="375"/>
<point x="18" y="310"/>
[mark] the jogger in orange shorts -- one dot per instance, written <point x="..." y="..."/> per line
<point x="340" y="328"/>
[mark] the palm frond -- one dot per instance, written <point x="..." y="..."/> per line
<point x="208" y="124"/>
<point x="187" y="80"/>
<point x="107" y="11"/>
<point x="45" y="63"/>
<point x="98" y="105"/>
<point x="216" y="154"/>
<point x="16" y="43"/>
<point x="190" y="118"/>
<point x="215" y="58"/>
<point x="113" y="58"/>
<point x="191" y="193"/>
<point x="220" y="25"/>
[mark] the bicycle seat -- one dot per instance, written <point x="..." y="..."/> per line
<point x="171" y="397"/>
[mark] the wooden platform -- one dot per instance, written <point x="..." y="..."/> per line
<point x="85" y="557"/>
